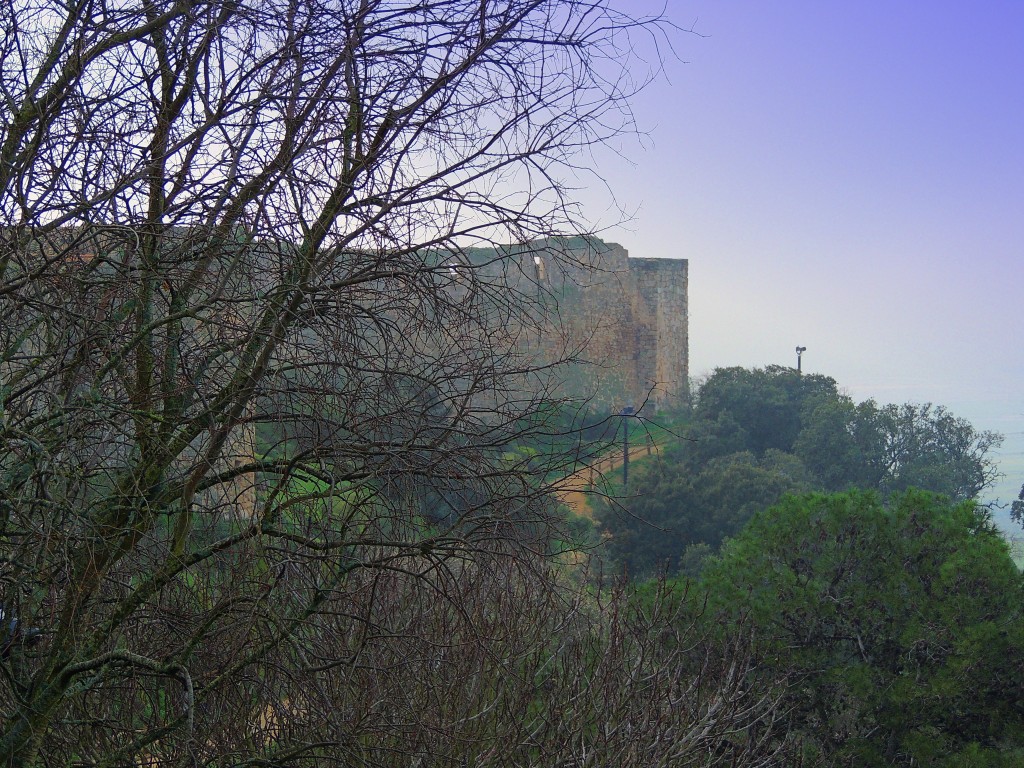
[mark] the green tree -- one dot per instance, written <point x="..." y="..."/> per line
<point x="759" y="433"/>
<point x="836" y="444"/>
<point x="899" y="626"/>
<point x="708" y="439"/>
<point x="647" y="531"/>
<point x="1017" y="507"/>
<point x="673" y="510"/>
<point x="732" y="489"/>
<point x="894" y="447"/>
<point x="767" y="403"/>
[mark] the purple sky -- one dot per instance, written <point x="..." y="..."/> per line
<point x="848" y="177"/>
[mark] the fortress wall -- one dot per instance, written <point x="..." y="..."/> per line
<point x="662" y="284"/>
<point x="629" y="314"/>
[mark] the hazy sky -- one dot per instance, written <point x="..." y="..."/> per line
<point x="847" y="176"/>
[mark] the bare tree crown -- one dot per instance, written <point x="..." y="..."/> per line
<point x="252" y="372"/>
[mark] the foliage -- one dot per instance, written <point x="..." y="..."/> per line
<point x="768" y="404"/>
<point x="900" y="625"/>
<point x="757" y="434"/>
<point x="672" y="510"/>
<point x="1017" y="507"/>
<point x="248" y="372"/>
<point x="895" y="447"/>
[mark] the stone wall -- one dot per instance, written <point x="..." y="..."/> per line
<point x="628" y="316"/>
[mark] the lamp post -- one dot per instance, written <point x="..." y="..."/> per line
<point x="626" y="413"/>
<point x="799" y="352"/>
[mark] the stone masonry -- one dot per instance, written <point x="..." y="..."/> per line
<point x="628" y="316"/>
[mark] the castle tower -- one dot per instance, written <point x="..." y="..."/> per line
<point x="628" y="314"/>
<point x="662" y="285"/>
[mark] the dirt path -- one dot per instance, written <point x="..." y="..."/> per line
<point x="574" y="490"/>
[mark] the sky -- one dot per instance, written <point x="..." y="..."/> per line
<point x="847" y="177"/>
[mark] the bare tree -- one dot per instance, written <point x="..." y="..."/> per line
<point x="252" y="375"/>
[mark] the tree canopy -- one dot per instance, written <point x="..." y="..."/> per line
<point x="760" y="433"/>
<point x="895" y="447"/>
<point x="769" y="404"/>
<point x="248" y="371"/>
<point x="899" y="625"/>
